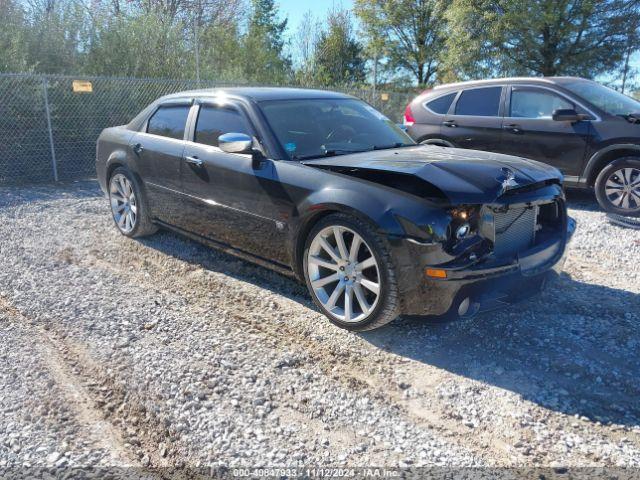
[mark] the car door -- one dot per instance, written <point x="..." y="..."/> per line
<point x="158" y="149"/>
<point x="230" y="195"/>
<point x="475" y="119"/>
<point x="531" y="132"/>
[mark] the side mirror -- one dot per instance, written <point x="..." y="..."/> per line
<point x="235" y="143"/>
<point x="567" y="115"/>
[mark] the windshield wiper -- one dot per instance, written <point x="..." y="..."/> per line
<point x="329" y="153"/>
<point x="393" y="145"/>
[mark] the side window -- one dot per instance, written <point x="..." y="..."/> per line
<point x="533" y="103"/>
<point x="215" y="121"/>
<point x="169" y="121"/>
<point x="441" y="105"/>
<point x="480" y="102"/>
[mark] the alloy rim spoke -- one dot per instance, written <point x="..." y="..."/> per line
<point x="355" y="248"/>
<point x="348" y="303"/>
<point x="362" y="301"/>
<point x="369" y="262"/>
<point x="625" y="200"/>
<point x="626" y="175"/>
<point x="371" y="286"/>
<point x="323" y="263"/>
<point x="337" y="292"/>
<point x="342" y="248"/>
<point x="321" y="282"/>
<point x="329" y="249"/>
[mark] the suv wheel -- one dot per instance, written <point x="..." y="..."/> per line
<point x="618" y="187"/>
<point x="349" y="273"/>
<point x="129" y="205"/>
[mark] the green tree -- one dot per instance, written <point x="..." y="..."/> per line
<point x="263" y="44"/>
<point x="12" y="54"/>
<point x="539" y="37"/>
<point x="338" y="55"/>
<point x="137" y="45"/>
<point x="54" y="35"/>
<point x="413" y="32"/>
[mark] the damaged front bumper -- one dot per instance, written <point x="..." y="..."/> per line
<point x="483" y="286"/>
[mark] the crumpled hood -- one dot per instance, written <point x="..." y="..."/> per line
<point x="464" y="176"/>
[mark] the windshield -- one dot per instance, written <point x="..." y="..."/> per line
<point x="612" y="102"/>
<point x="312" y="128"/>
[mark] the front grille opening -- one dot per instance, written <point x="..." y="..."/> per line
<point x="518" y="229"/>
<point x="514" y="231"/>
<point x="549" y="222"/>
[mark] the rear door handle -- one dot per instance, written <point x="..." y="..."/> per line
<point x="450" y="123"/>
<point x="514" y="127"/>
<point x="194" y="161"/>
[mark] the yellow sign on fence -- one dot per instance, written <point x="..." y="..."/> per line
<point x="384" y="97"/>
<point x="80" y="86"/>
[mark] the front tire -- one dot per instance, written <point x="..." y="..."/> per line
<point x="349" y="273"/>
<point x="618" y="187"/>
<point x="129" y="205"/>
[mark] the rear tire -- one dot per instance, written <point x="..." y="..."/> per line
<point x="618" y="187"/>
<point x="129" y="206"/>
<point x="349" y="273"/>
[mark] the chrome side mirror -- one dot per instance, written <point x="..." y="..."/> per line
<point x="235" y="143"/>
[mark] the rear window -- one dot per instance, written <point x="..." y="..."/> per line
<point x="169" y="121"/>
<point x="480" y="102"/>
<point x="441" y="105"/>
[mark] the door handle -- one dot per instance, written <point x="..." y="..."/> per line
<point x="137" y="148"/>
<point x="450" y="123"/>
<point x="514" y="127"/>
<point x="194" y="161"/>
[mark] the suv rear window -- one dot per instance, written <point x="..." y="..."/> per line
<point x="479" y="102"/>
<point x="169" y="121"/>
<point x="441" y="105"/>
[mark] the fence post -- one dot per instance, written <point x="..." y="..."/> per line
<point x="54" y="164"/>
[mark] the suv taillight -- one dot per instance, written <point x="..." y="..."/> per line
<point x="408" y="116"/>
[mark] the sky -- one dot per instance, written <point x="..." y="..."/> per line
<point x="295" y="9"/>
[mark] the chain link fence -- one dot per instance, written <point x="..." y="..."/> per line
<point x="49" y="124"/>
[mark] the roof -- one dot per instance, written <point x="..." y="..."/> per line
<point x="261" y="93"/>
<point x="510" y="80"/>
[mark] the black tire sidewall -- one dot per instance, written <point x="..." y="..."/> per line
<point x="141" y="205"/>
<point x="600" y="185"/>
<point x="367" y="235"/>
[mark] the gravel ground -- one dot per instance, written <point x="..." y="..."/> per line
<point x="163" y="353"/>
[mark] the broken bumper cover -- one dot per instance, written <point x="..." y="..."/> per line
<point x="486" y="287"/>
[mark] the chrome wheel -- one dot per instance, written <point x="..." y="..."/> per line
<point x="622" y="188"/>
<point x="344" y="274"/>
<point x="123" y="203"/>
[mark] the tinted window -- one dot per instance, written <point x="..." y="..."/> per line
<point x="441" y="105"/>
<point x="608" y="100"/>
<point x="169" y="121"/>
<point x="215" y="121"/>
<point x="481" y="102"/>
<point x="535" y="103"/>
<point x="334" y="126"/>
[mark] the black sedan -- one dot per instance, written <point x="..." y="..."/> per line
<point x="322" y="186"/>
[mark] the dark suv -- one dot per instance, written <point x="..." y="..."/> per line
<point x="588" y="131"/>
